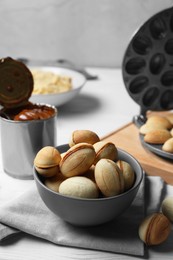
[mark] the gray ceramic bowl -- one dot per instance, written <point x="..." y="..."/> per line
<point x="89" y="212"/>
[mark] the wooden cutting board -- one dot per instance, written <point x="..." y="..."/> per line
<point x="127" y="138"/>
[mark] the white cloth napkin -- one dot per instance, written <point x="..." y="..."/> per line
<point x="29" y="214"/>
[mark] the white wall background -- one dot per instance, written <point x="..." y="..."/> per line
<point x="89" y="32"/>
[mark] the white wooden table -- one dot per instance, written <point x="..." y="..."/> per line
<point x="102" y="106"/>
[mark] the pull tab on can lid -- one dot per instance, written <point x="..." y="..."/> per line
<point x="16" y="83"/>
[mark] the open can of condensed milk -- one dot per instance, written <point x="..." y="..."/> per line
<point x="25" y="127"/>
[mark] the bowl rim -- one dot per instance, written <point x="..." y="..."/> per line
<point x="137" y="182"/>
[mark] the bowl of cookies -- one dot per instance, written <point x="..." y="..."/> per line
<point x="55" y="86"/>
<point x="88" y="181"/>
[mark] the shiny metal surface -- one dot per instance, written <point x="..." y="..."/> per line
<point x="21" y="140"/>
<point x="147" y="63"/>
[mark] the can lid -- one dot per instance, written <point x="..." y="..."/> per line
<point x="16" y="83"/>
<point x="147" y="63"/>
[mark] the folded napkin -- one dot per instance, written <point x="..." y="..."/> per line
<point x="29" y="214"/>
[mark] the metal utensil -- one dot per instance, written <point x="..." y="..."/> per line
<point x="80" y="69"/>
<point x="21" y="140"/>
<point x="62" y="63"/>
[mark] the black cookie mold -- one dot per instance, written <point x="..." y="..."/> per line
<point x="147" y="69"/>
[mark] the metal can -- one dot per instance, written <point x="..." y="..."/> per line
<point x="21" y="140"/>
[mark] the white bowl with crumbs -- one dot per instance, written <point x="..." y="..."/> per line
<point x="55" y="86"/>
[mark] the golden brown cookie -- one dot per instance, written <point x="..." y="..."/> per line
<point x="77" y="160"/>
<point x="158" y="136"/>
<point x="168" y="145"/>
<point x="154" y="229"/>
<point x="109" y="178"/>
<point x="105" y="150"/>
<point x="79" y="186"/>
<point x="83" y="136"/>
